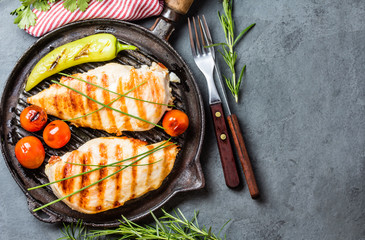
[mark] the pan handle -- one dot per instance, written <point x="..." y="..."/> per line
<point x="43" y="215"/>
<point x="180" y="6"/>
<point x="173" y="12"/>
<point x="191" y="179"/>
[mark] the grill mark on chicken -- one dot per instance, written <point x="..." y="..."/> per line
<point x="151" y="83"/>
<point x="64" y="173"/>
<point x="66" y="103"/>
<point x="83" y="198"/>
<point x="73" y="171"/>
<point x="127" y="123"/>
<point x="157" y="97"/>
<point x="119" y="176"/>
<point x="107" y="99"/>
<point x="55" y="103"/>
<point x="138" y="93"/>
<point x="134" y="170"/>
<point x="67" y="172"/>
<point x="130" y="85"/>
<point x="81" y="104"/>
<point x="103" y="173"/>
<point x="61" y="105"/>
<point x="151" y="160"/>
<point x="166" y="152"/>
<point x="73" y="102"/>
<point x="92" y="106"/>
<point x="86" y="181"/>
<point x="70" y="104"/>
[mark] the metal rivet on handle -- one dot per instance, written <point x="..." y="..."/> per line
<point x="223" y="136"/>
<point x="218" y="114"/>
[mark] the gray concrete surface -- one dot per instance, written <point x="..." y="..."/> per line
<point x="302" y="110"/>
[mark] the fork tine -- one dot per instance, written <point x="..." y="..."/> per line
<point x="208" y="37"/>
<point x="197" y="38"/>
<point x="202" y="35"/>
<point x="191" y="39"/>
<point x="207" y="32"/>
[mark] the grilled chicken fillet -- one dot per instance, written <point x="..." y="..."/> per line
<point x="65" y="103"/>
<point x="130" y="183"/>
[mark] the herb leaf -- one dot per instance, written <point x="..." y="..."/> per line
<point x="41" y="6"/>
<point x="70" y="5"/>
<point x="83" y="4"/>
<point x="26" y="18"/>
<point x="242" y="33"/>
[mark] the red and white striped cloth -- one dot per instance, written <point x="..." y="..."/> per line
<point x="115" y="9"/>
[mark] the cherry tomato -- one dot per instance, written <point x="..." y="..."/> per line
<point x="175" y="122"/>
<point x="33" y="118"/>
<point x="57" y="134"/>
<point x="30" y="152"/>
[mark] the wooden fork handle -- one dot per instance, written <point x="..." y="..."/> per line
<point x="224" y="146"/>
<point x="243" y="155"/>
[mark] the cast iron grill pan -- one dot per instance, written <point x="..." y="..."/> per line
<point x="186" y="174"/>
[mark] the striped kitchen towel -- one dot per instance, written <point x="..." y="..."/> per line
<point x="57" y="15"/>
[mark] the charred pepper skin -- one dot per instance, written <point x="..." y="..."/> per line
<point x="94" y="48"/>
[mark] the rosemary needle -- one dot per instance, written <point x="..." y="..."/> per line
<point x="94" y="100"/>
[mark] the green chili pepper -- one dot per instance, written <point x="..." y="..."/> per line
<point x="94" y="48"/>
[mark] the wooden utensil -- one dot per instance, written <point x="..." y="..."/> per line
<point x="235" y="129"/>
<point x="243" y="155"/>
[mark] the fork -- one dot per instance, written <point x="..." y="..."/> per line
<point x="204" y="59"/>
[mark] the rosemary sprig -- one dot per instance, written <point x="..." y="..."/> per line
<point x="92" y="184"/>
<point x="74" y="232"/>
<point x="228" y="53"/>
<point x="107" y="106"/>
<point x="102" y="166"/>
<point x="122" y="95"/>
<point x="169" y="226"/>
<point x="72" y="119"/>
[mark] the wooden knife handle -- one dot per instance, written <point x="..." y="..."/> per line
<point x="243" y="155"/>
<point x="180" y="6"/>
<point x="224" y="146"/>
